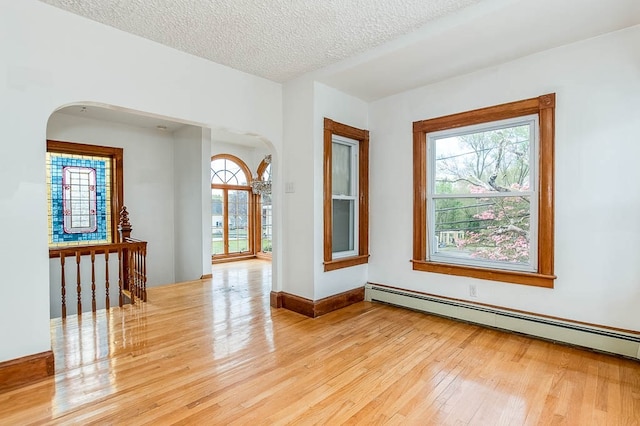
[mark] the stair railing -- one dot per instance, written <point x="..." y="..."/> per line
<point x="131" y="272"/>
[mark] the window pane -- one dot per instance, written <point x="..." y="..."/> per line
<point x="267" y="223"/>
<point x="485" y="161"/>
<point x="493" y="229"/>
<point x="79" y="199"/>
<point x="217" y="221"/>
<point x="238" y="221"/>
<point x="225" y="171"/>
<point x="266" y="175"/>
<point x="341" y="169"/>
<point x="343" y="225"/>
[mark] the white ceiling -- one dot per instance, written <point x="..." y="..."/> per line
<point x="122" y="116"/>
<point x="367" y="48"/>
<point x="128" y="117"/>
<point x="483" y="35"/>
<point x="275" y="39"/>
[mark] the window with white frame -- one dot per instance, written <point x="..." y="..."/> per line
<point x="484" y="193"/>
<point x="344" y="196"/>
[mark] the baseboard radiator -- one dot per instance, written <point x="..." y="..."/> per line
<point x="587" y="336"/>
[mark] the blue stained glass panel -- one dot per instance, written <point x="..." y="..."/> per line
<point x="57" y="235"/>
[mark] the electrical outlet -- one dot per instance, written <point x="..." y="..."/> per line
<point x="473" y="291"/>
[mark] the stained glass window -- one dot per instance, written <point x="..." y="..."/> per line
<point x="78" y="195"/>
<point x="79" y="199"/>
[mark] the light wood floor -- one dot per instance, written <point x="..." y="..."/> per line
<point x="205" y="353"/>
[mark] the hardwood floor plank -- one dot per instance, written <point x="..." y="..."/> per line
<point x="214" y="352"/>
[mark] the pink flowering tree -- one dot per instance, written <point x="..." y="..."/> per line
<point x="484" y="209"/>
<point x="502" y="232"/>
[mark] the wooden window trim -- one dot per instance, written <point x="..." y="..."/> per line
<point x="544" y="107"/>
<point x="251" y="252"/>
<point x="258" y="215"/>
<point x="362" y="136"/>
<point x="117" y="174"/>
<point x="261" y="168"/>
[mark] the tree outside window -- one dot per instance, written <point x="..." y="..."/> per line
<point x="482" y="197"/>
<point x="483" y="193"/>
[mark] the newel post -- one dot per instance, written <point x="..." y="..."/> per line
<point x="124" y="228"/>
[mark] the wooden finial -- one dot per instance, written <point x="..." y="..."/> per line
<point x="124" y="227"/>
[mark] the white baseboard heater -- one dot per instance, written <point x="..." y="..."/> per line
<point x="588" y="336"/>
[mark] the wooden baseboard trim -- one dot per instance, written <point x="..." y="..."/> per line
<point x="275" y="299"/>
<point x="298" y="304"/>
<point x="338" y="301"/>
<point x="232" y="258"/>
<point x="316" y="308"/>
<point x="264" y="256"/>
<point x="25" y="370"/>
<point x="206" y="276"/>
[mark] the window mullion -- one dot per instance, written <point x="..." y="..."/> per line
<point x="485" y="195"/>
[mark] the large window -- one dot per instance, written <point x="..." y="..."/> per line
<point x="346" y="195"/>
<point x="84" y="193"/>
<point x="483" y="201"/>
<point x="230" y="207"/>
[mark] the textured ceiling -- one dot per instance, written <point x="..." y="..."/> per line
<point x="275" y="39"/>
<point x="484" y="35"/>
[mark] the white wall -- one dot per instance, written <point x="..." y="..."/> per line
<point x="306" y="104"/>
<point x="345" y="109"/>
<point x="597" y="83"/>
<point x="192" y="191"/>
<point x="148" y="182"/>
<point x="298" y="162"/>
<point x="205" y="203"/>
<point x="51" y="58"/>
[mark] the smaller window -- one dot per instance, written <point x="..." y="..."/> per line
<point x="346" y="195"/>
<point x="84" y="193"/>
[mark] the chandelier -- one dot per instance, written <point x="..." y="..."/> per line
<point x="259" y="186"/>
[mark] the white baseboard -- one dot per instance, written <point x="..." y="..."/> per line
<point x="601" y="339"/>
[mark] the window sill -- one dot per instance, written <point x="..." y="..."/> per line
<point x="345" y="262"/>
<point x="512" y="277"/>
